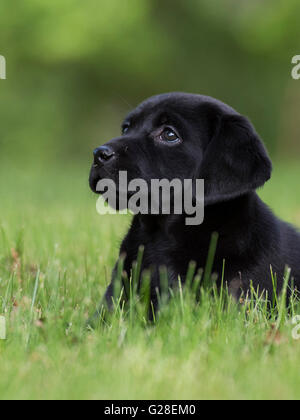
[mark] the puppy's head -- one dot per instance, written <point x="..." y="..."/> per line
<point x="183" y="136"/>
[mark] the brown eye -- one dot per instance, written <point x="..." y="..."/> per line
<point x="169" y="135"/>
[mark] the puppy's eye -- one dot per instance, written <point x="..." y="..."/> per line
<point x="125" y="128"/>
<point x="169" y="136"/>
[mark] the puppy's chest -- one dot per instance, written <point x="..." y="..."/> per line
<point x="159" y="252"/>
<point x="172" y="249"/>
<point x="165" y="251"/>
<point x="175" y="253"/>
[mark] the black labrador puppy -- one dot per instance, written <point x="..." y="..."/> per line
<point x="188" y="136"/>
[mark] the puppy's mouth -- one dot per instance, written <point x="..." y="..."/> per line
<point x="97" y="174"/>
<point x="100" y="173"/>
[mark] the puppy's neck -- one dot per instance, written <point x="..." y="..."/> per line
<point x="218" y="217"/>
<point x="240" y="210"/>
<point x="153" y="223"/>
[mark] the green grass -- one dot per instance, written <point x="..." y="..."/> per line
<point x="56" y="255"/>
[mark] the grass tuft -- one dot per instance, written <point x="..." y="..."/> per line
<point x="55" y="256"/>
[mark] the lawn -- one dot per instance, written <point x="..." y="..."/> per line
<point x="56" y="255"/>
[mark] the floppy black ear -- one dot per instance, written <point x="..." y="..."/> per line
<point x="235" y="161"/>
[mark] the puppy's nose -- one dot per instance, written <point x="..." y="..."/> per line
<point x="103" y="154"/>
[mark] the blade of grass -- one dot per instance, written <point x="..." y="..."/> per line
<point x="36" y="286"/>
<point x="210" y="261"/>
<point x="7" y="292"/>
<point x="283" y="298"/>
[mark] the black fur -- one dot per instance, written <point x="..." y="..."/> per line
<point x="221" y="147"/>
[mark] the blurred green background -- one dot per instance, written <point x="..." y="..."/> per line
<point x="75" y="68"/>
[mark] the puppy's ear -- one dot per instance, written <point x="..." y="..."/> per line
<point x="235" y="161"/>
